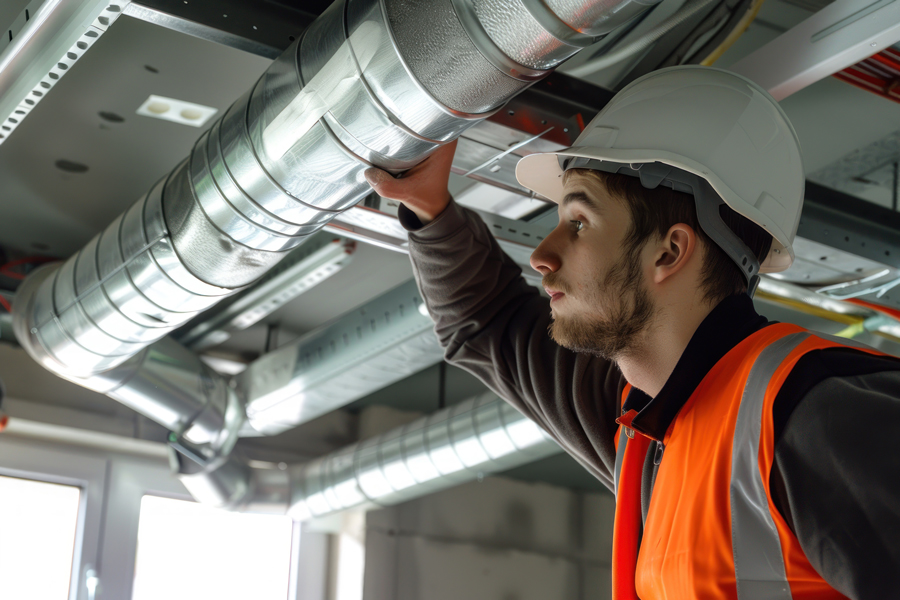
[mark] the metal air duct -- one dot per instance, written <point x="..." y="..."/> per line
<point x="371" y="82"/>
<point x="380" y="82"/>
<point x="387" y="339"/>
<point x="462" y="443"/>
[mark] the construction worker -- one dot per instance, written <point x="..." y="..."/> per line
<point x="750" y="459"/>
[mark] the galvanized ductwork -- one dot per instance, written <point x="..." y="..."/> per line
<point x="477" y="437"/>
<point x="371" y="82"/>
<point x="387" y="339"/>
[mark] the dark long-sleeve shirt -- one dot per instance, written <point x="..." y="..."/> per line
<point x="836" y="478"/>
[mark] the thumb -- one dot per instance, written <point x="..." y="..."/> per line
<point x="382" y="182"/>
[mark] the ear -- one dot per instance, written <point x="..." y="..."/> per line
<point x="674" y="252"/>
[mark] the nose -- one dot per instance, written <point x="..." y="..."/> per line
<point x="546" y="257"/>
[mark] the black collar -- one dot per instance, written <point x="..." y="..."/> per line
<point x="729" y="323"/>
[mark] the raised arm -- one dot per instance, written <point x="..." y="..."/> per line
<point x="494" y="324"/>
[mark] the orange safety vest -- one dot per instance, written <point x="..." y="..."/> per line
<point x="712" y="530"/>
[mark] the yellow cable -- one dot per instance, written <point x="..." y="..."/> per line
<point x="737" y="32"/>
<point x="810" y="309"/>
<point x="855" y="324"/>
<point x="852" y="331"/>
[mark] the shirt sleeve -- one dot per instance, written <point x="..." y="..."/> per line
<point x="492" y="323"/>
<point x="840" y="467"/>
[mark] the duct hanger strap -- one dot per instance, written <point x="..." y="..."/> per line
<point x="706" y="200"/>
<point x="465" y="11"/>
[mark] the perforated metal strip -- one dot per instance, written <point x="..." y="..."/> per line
<point x="758" y="560"/>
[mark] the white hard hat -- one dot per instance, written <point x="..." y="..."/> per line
<point x="708" y="122"/>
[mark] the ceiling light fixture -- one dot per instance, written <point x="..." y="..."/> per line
<point x="176" y="111"/>
<point x="44" y="42"/>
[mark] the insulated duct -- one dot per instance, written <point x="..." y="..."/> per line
<point x="371" y="82"/>
<point x="462" y="443"/>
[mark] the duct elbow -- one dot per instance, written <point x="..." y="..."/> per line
<point x="234" y="485"/>
<point x="165" y="382"/>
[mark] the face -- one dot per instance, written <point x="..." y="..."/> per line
<point x="599" y="300"/>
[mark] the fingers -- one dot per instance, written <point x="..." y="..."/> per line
<point x="385" y="184"/>
<point x="423" y="189"/>
<point x="433" y="170"/>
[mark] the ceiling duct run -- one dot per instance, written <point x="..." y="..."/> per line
<point x="387" y="339"/>
<point x="371" y="82"/>
<point x="462" y="443"/>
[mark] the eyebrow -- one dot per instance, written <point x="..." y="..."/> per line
<point x="583" y="199"/>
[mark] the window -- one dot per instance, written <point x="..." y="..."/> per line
<point x="188" y="551"/>
<point x="37" y="539"/>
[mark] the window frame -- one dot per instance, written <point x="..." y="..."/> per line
<point x="35" y="461"/>
<point x="112" y="485"/>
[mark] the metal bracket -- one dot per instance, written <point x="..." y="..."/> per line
<point x="261" y="28"/>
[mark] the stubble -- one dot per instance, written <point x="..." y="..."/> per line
<point x="625" y="312"/>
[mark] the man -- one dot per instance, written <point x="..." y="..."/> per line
<point x="755" y="460"/>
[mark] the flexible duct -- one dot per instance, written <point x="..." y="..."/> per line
<point x="371" y="82"/>
<point x="462" y="443"/>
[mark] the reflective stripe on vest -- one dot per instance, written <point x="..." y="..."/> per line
<point x="713" y="530"/>
<point x="758" y="563"/>
<point x="620" y="456"/>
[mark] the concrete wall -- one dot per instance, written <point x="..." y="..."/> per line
<point x="498" y="539"/>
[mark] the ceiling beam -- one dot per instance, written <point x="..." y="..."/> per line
<point x="261" y="28"/>
<point x="841" y="34"/>
<point x="851" y="224"/>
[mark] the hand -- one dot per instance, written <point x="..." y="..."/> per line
<point x="422" y="189"/>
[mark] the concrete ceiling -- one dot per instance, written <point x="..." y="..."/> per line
<point x="56" y="212"/>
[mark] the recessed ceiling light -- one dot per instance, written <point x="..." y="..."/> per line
<point x="177" y="111"/>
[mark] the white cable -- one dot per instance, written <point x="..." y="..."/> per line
<point x="643" y="42"/>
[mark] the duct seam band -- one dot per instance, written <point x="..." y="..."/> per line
<point x="394" y="44"/>
<point x="308" y="107"/>
<point x="489" y="49"/>
<point x="283" y="147"/>
<point x="373" y="98"/>
<point x="444" y="60"/>
<point x="557" y="27"/>
<point x="236" y="225"/>
<point x="206" y="184"/>
<point x="267" y="218"/>
<point x="324" y="121"/>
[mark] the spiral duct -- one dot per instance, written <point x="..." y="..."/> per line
<point x="371" y="82"/>
<point x="474" y="438"/>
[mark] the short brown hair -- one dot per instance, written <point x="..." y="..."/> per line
<point x="654" y="211"/>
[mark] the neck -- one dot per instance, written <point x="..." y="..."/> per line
<point x="651" y="362"/>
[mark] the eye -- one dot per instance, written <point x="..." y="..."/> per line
<point x="577" y="225"/>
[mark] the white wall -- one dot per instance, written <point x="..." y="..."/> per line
<point x="498" y="539"/>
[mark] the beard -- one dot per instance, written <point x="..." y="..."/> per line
<point x="627" y="312"/>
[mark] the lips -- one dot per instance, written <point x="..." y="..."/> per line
<point x="554" y="294"/>
<point x="554" y="287"/>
